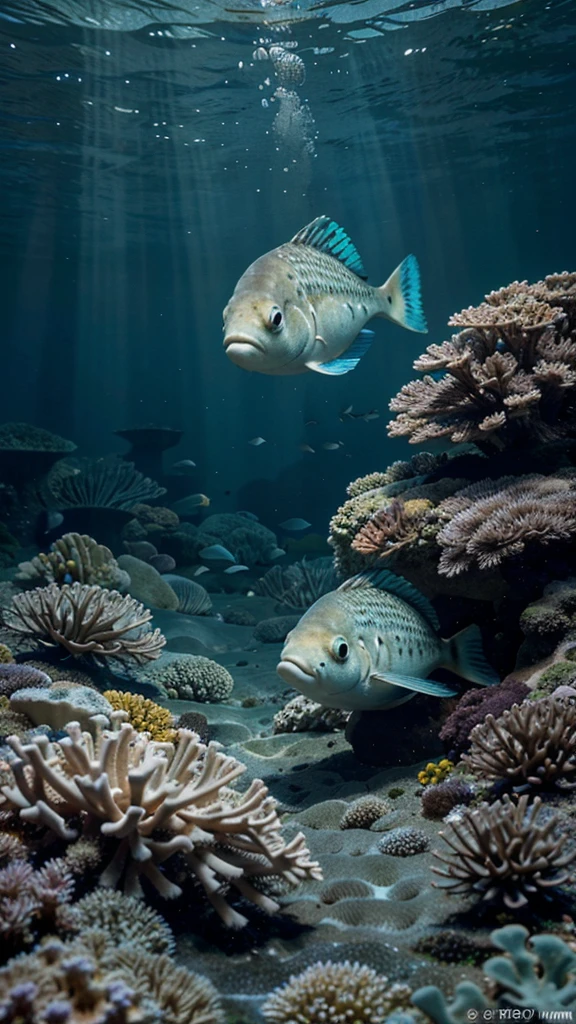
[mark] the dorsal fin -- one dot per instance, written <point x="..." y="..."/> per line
<point x="382" y="579"/>
<point x="327" y="236"/>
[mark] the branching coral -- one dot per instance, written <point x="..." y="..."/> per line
<point x="86" y="621"/>
<point x="144" y="715"/>
<point x="504" y="851"/>
<point x="153" y="800"/>
<point x="338" y="993"/>
<point x="537" y="972"/>
<point x="509" y="375"/>
<point x="390" y="528"/>
<point x="193" y="677"/>
<point x="104" y="483"/>
<point x="30" y="898"/>
<point x="533" y="743"/>
<point x="74" y="558"/>
<point x="496" y="519"/>
<point x="300" y="585"/>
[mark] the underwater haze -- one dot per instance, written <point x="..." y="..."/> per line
<point x="287" y="511"/>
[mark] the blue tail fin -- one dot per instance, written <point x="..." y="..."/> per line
<point x="402" y="297"/>
<point x="466" y="657"/>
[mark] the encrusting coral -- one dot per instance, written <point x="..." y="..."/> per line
<point x="75" y="558"/>
<point x="504" y="851"/>
<point x="194" y="677"/>
<point x="144" y="715"/>
<point x="86" y="620"/>
<point x="537" y="973"/>
<point x="336" y="992"/>
<point x="154" y="800"/>
<point x="496" y="519"/>
<point x="510" y="375"/>
<point x="532" y="744"/>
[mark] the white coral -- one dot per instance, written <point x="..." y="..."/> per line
<point x="156" y="799"/>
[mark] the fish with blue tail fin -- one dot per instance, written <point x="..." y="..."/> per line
<point x="305" y="305"/>
<point x="372" y="643"/>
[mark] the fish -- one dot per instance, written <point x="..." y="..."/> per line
<point x="371" y="644"/>
<point x="184" y="465"/>
<point x="257" y="441"/>
<point x="307" y="448"/>
<point x="276" y="553"/>
<point x="295" y="524"/>
<point x="189" y="505"/>
<point x="201" y="569"/>
<point x="217" y="553"/>
<point x="332" y="446"/>
<point x="348" y="414"/>
<point x="236" y="568"/>
<point x="305" y="305"/>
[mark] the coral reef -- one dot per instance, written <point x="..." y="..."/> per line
<point x="58" y="703"/>
<point x="153" y="520"/>
<point x="20" y="677"/>
<point x="438" y="801"/>
<point x="533" y="744"/>
<point x="508" y="377"/>
<point x="124" y="920"/>
<point x="472" y="709"/>
<point x="336" y="992"/>
<point x="249" y="541"/>
<point x="496" y="519"/>
<point x="193" y="599"/>
<point x="547" y="622"/>
<point x="538" y="973"/>
<point x="104" y="483"/>
<point x="31" y="898"/>
<point x="147" y="585"/>
<point x="275" y="630"/>
<point x="154" y="800"/>
<point x="144" y="715"/>
<point x="11" y="721"/>
<point x="6" y="656"/>
<point x="75" y="558"/>
<point x="362" y="813"/>
<point x="391" y="528"/>
<point x="303" y="715"/>
<point x="299" y="585"/>
<point x="86" y="621"/>
<point x="193" y="677"/>
<point x="435" y="773"/>
<point x="504" y="851"/>
<point x="453" y="947"/>
<point x="404" y="842"/>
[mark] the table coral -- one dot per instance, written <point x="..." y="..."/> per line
<point x="154" y="800"/>
<point x="144" y="714"/>
<point x="86" y="621"/>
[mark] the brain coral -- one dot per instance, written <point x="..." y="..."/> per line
<point x="144" y="714"/>
<point x="194" y="677"/>
<point x="345" y="993"/>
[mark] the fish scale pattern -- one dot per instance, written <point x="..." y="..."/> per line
<point x="321" y="274"/>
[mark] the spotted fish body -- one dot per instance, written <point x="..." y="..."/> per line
<point x="304" y="306"/>
<point x="372" y="643"/>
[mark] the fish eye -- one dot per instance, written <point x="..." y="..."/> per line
<point x="340" y="648"/>
<point x="275" y="319"/>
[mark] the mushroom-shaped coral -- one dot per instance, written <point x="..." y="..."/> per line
<point x="154" y="800"/>
<point x="339" y="993"/>
<point x="504" y="851"/>
<point x="74" y="558"/>
<point x="86" y="621"/>
<point x="144" y="714"/>
<point x="533" y="743"/>
<point x="194" y="677"/>
<point x="509" y="375"/>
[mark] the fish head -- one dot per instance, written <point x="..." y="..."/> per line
<point x="324" y="657"/>
<point x="268" y="323"/>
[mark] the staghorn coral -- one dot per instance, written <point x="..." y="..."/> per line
<point x="73" y="558"/>
<point x="336" y="992"/>
<point x="30" y="898"/>
<point x="509" y="375"/>
<point x="438" y="801"/>
<point x="533" y="744"/>
<point x="103" y="483"/>
<point x="404" y="842"/>
<point x="153" y="800"/>
<point x="144" y="715"/>
<point x="86" y="621"/>
<point x="495" y="519"/>
<point x="300" y="585"/>
<point x="504" y="851"/>
<point x="537" y="972"/>
<point x="193" y="677"/>
<point x="362" y="813"/>
<point x="473" y="707"/>
<point x="20" y="677"/>
<point x="303" y="715"/>
<point x="434" y="773"/>
<point x="124" y="920"/>
<point x="89" y="982"/>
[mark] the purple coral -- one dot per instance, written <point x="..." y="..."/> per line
<point x="30" y="897"/>
<point x="20" y="677"/>
<point x="472" y="709"/>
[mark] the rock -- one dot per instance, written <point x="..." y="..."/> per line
<point x="60" y="703"/>
<point x="147" y="585"/>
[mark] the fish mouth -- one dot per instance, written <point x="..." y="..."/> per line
<point x="241" y="341"/>
<point x="294" y="672"/>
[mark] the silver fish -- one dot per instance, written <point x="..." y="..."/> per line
<point x="257" y="441"/>
<point x="304" y="305"/>
<point x="371" y="644"/>
<point x="217" y="553"/>
<point x="295" y="524"/>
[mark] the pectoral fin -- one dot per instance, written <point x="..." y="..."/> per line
<point x="429" y="686"/>
<point x="348" y="360"/>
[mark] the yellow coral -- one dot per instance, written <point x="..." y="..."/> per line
<point x="6" y="657"/>
<point x="144" y="715"/>
<point x="416" y="507"/>
<point x="432" y="774"/>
